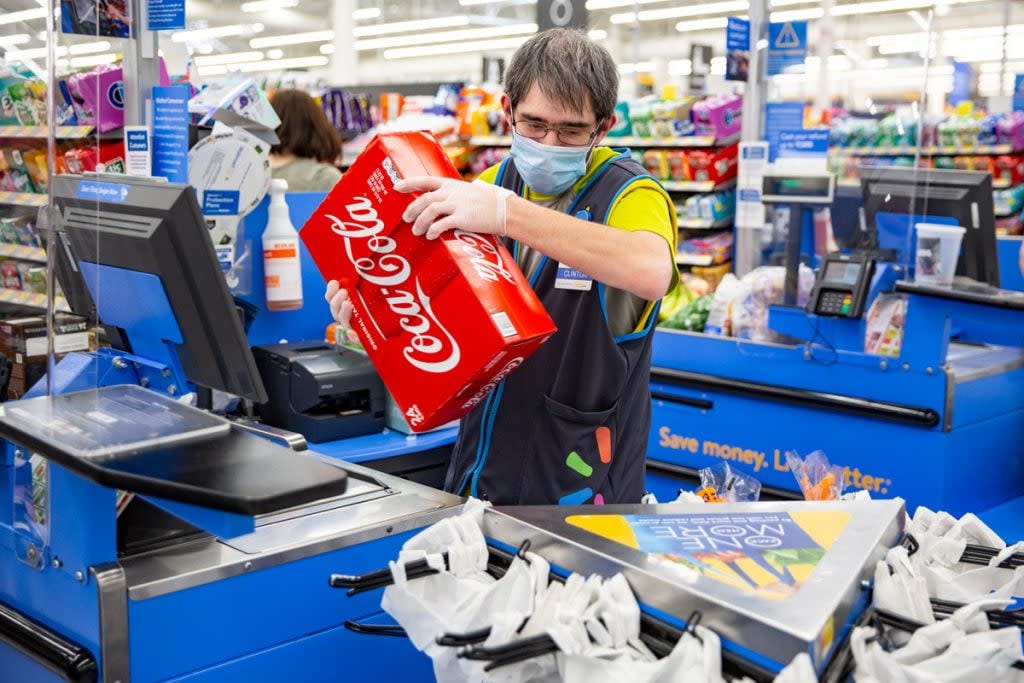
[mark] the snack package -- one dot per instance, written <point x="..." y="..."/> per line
<point x="817" y="477"/>
<point x="721" y="483"/>
<point x="444" y="321"/>
<point x="885" y="321"/>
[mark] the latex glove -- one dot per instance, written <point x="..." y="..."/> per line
<point x="449" y="204"/>
<point x="341" y="309"/>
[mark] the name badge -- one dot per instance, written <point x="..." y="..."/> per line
<point x="570" y="278"/>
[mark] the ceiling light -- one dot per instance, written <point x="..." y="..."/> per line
<point x="202" y="34"/>
<point x="41" y="36"/>
<point x="702" y="24"/>
<point x="452" y="48"/>
<point x="276" y="54"/>
<point x="267" y="5"/>
<point x="415" y="25"/>
<point x="679" y="12"/>
<point x="639" y="67"/>
<point x="16" y="39"/>
<point x="292" y="39"/>
<point x="366" y="13"/>
<point x="230" y="58"/>
<point x="798" y="14"/>
<point x="445" y="36"/>
<point x="265" y="65"/>
<point x="327" y="49"/>
<point x="593" y="5"/>
<point x="93" y="60"/>
<point x="24" y="15"/>
<point x="597" y="34"/>
<point x="680" y="67"/>
<point x="62" y="50"/>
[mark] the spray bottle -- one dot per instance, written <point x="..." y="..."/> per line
<point x="281" y="263"/>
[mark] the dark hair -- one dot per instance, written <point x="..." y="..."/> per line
<point x="304" y="130"/>
<point x="565" y="63"/>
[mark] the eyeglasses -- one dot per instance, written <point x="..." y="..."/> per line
<point x="573" y="137"/>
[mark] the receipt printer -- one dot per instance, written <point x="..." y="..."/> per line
<point x="320" y="392"/>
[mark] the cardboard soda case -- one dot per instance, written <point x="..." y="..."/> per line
<point x="444" y="321"/>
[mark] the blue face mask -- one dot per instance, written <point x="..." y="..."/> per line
<point x="548" y="169"/>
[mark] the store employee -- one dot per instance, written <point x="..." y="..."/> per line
<point x="596" y="237"/>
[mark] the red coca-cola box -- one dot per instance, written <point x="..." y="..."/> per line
<point x="444" y="321"/>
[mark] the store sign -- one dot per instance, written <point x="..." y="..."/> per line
<point x="795" y="144"/>
<point x="752" y="166"/>
<point x="787" y="46"/>
<point x="562" y="14"/>
<point x="165" y="15"/>
<point x="1018" y="92"/>
<point x="700" y="67"/>
<point x="170" y="132"/>
<point x="778" y="117"/>
<point x="963" y="83"/>
<point x="737" y="49"/>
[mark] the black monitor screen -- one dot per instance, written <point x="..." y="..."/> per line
<point x="921" y="195"/>
<point x="134" y="225"/>
<point x="842" y="273"/>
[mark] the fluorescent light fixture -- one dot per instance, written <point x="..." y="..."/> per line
<point x="446" y="36"/>
<point x="638" y="67"/>
<point x="268" y="5"/>
<point x="681" y="12"/>
<point x="598" y="34"/>
<point x="680" y="67"/>
<point x="327" y="49"/>
<point x="291" y="39"/>
<point x="799" y="14"/>
<point x="455" y="48"/>
<point x="918" y="19"/>
<point x="93" y="60"/>
<point x="265" y="65"/>
<point x="594" y="5"/>
<point x="41" y="36"/>
<point x="366" y="13"/>
<point x="229" y="58"/>
<point x="701" y="24"/>
<point x="203" y="34"/>
<point x="23" y="15"/>
<point x="63" y="50"/>
<point x="414" y="25"/>
<point x="16" y="39"/>
<point x="276" y="53"/>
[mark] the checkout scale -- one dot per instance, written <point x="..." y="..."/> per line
<point x="941" y="424"/>
<point x="146" y="539"/>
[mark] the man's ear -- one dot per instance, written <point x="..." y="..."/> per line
<point x="605" y="126"/>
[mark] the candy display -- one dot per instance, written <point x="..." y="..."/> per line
<point x="107" y="157"/>
<point x="718" y="246"/>
<point x="693" y="165"/>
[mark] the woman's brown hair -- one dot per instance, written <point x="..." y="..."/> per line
<point x="304" y="130"/>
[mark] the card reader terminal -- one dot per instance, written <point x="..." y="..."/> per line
<point x="842" y="285"/>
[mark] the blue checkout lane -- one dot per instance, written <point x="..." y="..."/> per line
<point x="387" y="444"/>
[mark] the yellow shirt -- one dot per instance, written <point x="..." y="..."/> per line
<point x="643" y="206"/>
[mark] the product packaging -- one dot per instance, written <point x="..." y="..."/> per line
<point x="443" y="321"/>
<point x="722" y="483"/>
<point x="718" y="116"/>
<point x="23" y="341"/>
<point x="98" y="96"/>
<point x="817" y="477"/>
<point x="108" y="157"/>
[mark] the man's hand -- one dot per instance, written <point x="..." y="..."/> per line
<point x="341" y="310"/>
<point x="450" y="204"/>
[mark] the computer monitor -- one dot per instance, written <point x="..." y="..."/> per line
<point x="897" y="198"/>
<point x="119" y="231"/>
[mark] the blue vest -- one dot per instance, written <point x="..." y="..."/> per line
<point x="571" y="424"/>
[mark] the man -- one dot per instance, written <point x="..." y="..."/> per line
<point x="596" y="238"/>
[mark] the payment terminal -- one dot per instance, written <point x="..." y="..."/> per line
<point x="842" y="285"/>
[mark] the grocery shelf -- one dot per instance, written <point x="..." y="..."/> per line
<point x="696" y="186"/>
<point x="629" y="141"/>
<point x="41" y="132"/>
<point x="30" y="299"/>
<point x="22" y="199"/>
<point x="23" y="253"/>
<point x="705" y="223"/>
<point x="926" y="151"/>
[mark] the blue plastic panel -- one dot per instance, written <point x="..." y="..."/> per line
<point x="132" y="300"/>
<point x="312" y="319"/>
<point x="387" y="444"/>
<point x="17" y="668"/>
<point x="1010" y="276"/>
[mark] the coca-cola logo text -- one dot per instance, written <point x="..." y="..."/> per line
<point x="428" y="349"/>
<point x="497" y="379"/>
<point x="484" y="257"/>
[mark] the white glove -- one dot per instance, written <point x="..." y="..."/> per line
<point x="341" y="310"/>
<point x="454" y="204"/>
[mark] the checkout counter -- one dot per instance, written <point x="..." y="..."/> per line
<point x="941" y="424"/>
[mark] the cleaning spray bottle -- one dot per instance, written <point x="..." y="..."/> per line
<point x="281" y="263"/>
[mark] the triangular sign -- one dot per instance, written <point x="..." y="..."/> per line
<point x="787" y="38"/>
